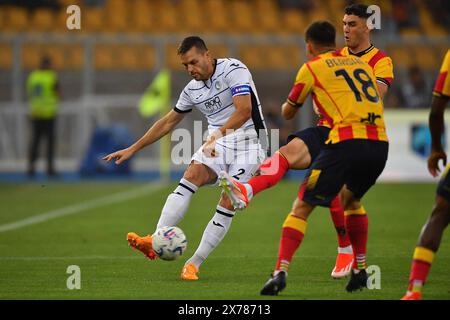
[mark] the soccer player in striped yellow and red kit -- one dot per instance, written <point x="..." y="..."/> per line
<point x="430" y="237"/>
<point x="344" y="90"/>
<point x="304" y="146"/>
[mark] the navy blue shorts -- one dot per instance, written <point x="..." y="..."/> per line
<point x="313" y="137"/>
<point x="355" y="163"/>
<point x="443" y="188"/>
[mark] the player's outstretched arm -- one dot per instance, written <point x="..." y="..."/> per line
<point x="288" y="111"/>
<point x="161" y="127"/>
<point x="436" y="123"/>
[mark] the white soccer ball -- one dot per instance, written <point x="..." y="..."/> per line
<point x="169" y="243"/>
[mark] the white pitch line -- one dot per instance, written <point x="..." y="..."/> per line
<point x="95" y="203"/>
<point x="67" y="258"/>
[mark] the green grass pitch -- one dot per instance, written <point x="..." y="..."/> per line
<point x="34" y="258"/>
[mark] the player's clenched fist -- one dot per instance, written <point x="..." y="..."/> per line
<point x="433" y="162"/>
<point x="120" y="155"/>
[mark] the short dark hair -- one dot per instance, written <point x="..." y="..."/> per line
<point x="189" y="42"/>
<point x="46" y="62"/>
<point x="321" y="33"/>
<point x="359" y="10"/>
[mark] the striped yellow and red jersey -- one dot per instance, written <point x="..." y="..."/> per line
<point x="380" y="62"/>
<point x="442" y="87"/>
<point x="344" y="90"/>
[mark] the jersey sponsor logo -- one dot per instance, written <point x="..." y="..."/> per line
<point x="218" y="85"/>
<point x="213" y="104"/>
<point x="244" y="89"/>
<point x="371" y="118"/>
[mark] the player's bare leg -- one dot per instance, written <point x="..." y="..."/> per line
<point x="177" y="203"/>
<point x="292" y="235"/>
<point x="427" y="246"/>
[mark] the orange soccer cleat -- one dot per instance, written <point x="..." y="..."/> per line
<point x="143" y="244"/>
<point x="343" y="266"/>
<point x="189" y="272"/>
<point x="235" y="191"/>
<point x="412" y="295"/>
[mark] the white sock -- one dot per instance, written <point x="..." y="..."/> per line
<point x="249" y="191"/>
<point x="347" y="249"/>
<point x="215" y="231"/>
<point x="177" y="204"/>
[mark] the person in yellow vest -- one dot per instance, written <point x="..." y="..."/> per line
<point x="43" y="96"/>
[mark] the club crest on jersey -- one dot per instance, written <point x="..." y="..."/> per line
<point x="218" y="85"/>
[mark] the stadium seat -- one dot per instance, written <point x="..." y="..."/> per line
<point x="92" y="20"/>
<point x="142" y="16"/>
<point x="192" y="20"/>
<point x="320" y="12"/>
<point x="15" y="19"/>
<point x="252" y="56"/>
<point x="104" y="56"/>
<point x="124" y="56"/>
<point x="217" y="23"/>
<point x="337" y="8"/>
<point x="242" y="19"/>
<point x="267" y="17"/>
<point x="402" y="56"/>
<point x="167" y="19"/>
<point x="294" y="21"/>
<point x="6" y="56"/>
<point x="2" y="20"/>
<point x="218" y="50"/>
<point x="73" y="56"/>
<point x="33" y="52"/>
<point x="66" y="3"/>
<point x="30" y="56"/>
<point x="147" y="57"/>
<point x="43" y="20"/>
<point x="283" y="58"/>
<point x="172" y="61"/>
<point x="116" y="16"/>
<point x="429" y="61"/>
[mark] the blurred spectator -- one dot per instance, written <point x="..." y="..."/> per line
<point x="416" y="91"/>
<point x="405" y="14"/>
<point x="33" y="4"/>
<point x="303" y="5"/>
<point x="440" y="11"/>
<point x="94" y="3"/>
<point x="43" y="95"/>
